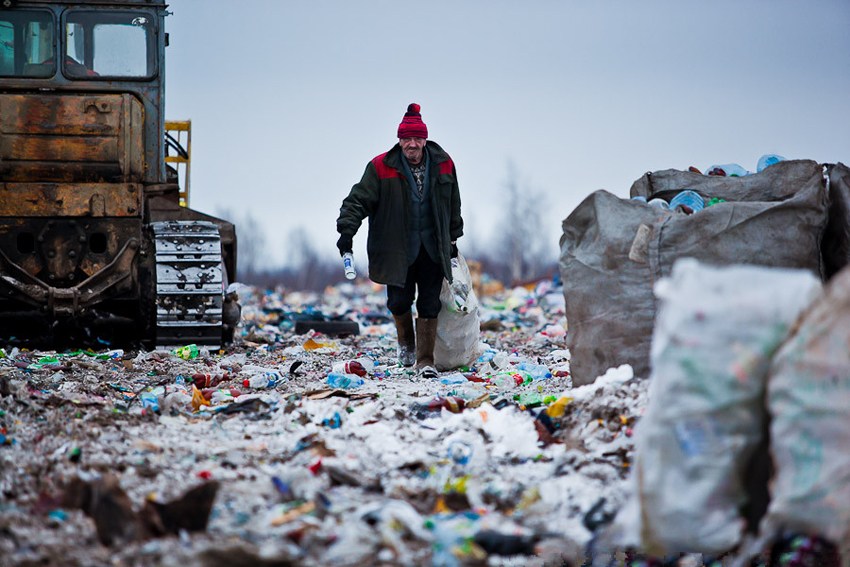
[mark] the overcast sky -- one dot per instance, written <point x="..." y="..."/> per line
<point x="289" y="99"/>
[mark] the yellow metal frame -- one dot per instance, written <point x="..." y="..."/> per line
<point x="181" y="130"/>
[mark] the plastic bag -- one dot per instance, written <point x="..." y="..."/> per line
<point x="716" y="332"/>
<point x="808" y="397"/>
<point x="458" y="323"/>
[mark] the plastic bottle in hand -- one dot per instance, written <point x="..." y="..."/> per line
<point x="348" y="265"/>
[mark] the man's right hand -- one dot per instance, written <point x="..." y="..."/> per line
<point x="345" y="244"/>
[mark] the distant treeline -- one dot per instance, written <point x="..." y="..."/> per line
<point x="322" y="273"/>
<point x="517" y="253"/>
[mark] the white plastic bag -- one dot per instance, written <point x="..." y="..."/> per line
<point x="808" y="397"/>
<point x="458" y="324"/>
<point x="716" y="332"/>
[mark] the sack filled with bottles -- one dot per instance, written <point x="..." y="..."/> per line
<point x="613" y="250"/>
<point x="458" y="323"/>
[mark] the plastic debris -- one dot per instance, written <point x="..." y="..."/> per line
<point x="314" y="471"/>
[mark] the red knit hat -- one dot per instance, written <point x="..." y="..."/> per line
<point x="411" y="125"/>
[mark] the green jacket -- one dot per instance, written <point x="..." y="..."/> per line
<point x="383" y="195"/>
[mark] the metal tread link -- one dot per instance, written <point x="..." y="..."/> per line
<point x="189" y="290"/>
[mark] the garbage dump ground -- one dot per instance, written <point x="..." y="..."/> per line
<point x="247" y="456"/>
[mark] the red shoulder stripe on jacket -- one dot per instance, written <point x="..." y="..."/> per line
<point x="447" y="166"/>
<point x="384" y="171"/>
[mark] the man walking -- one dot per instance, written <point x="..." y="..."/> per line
<point x="410" y="195"/>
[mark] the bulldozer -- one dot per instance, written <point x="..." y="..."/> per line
<point x="97" y="242"/>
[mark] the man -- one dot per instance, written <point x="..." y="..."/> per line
<point x="411" y="197"/>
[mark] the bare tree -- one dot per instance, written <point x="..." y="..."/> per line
<point x="250" y="243"/>
<point x="303" y="258"/>
<point x="521" y="244"/>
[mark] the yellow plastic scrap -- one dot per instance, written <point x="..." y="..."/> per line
<point x="311" y="344"/>
<point x="558" y="407"/>
<point x="457" y="485"/>
<point x="440" y="506"/>
<point x="294" y="513"/>
<point x="529" y="497"/>
<point x="198" y="399"/>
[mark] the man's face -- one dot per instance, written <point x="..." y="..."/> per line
<point x="412" y="149"/>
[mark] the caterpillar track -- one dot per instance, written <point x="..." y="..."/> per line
<point x="189" y="283"/>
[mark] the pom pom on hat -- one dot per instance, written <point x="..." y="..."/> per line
<point x="411" y="124"/>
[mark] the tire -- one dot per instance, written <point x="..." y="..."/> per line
<point x="333" y="328"/>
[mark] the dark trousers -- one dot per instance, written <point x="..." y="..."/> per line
<point x="427" y="276"/>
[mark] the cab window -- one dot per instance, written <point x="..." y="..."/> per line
<point x="26" y="44"/>
<point x="109" y="44"/>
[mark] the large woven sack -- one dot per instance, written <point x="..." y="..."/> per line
<point x="613" y="250"/>
<point x="716" y="332"/>
<point x="808" y="398"/>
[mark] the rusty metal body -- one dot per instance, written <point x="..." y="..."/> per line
<point x="83" y="173"/>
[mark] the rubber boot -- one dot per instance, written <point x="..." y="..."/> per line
<point x="426" y="336"/>
<point x="406" y="339"/>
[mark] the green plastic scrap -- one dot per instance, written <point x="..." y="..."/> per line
<point x="187" y="352"/>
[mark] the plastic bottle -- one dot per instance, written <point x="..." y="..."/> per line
<point x="767" y="160"/>
<point x="460" y="294"/>
<point x="688" y="198"/>
<point x="529" y="399"/>
<point x="727" y="170"/>
<point x="348" y="265"/>
<point x="454" y="404"/>
<point x="367" y="363"/>
<point x="486" y="356"/>
<point x="460" y="452"/>
<point x="537" y="371"/>
<point x="507" y="380"/>
<point x="220" y="396"/>
<point x="500" y="359"/>
<point x="350" y="367"/>
<point x="345" y="381"/>
<point x="150" y="400"/>
<point x="261" y="381"/>
<point x="454" y="378"/>
<point x="203" y="380"/>
<point x="187" y="352"/>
